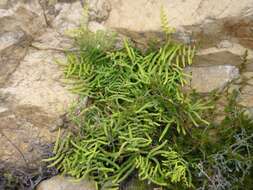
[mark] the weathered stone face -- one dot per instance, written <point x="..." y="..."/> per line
<point x="28" y="128"/>
<point x="206" y="79"/>
<point x="32" y="36"/>
<point x="32" y="98"/>
<point x="66" y="183"/>
<point x="144" y="15"/>
<point x="99" y="10"/>
<point x="217" y="58"/>
<point x="241" y="29"/>
<point x="10" y="56"/>
<point x="203" y="21"/>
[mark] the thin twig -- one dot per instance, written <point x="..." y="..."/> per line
<point x="53" y="49"/>
<point x="205" y="174"/>
<point x="2" y="133"/>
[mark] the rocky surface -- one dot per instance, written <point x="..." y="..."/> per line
<point x="246" y="89"/>
<point x="206" y="21"/>
<point x="32" y="98"/>
<point x="32" y="36"/>
<point x="144" y="15"/>
<point x="65" y="183"/>
<point x="206" y="79"/>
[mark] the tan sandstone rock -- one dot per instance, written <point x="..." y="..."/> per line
<point x="206" y="79"/>
<point x="65" y="183"/>
<point x="204" y="22"/>
<point x="32" y="97"/>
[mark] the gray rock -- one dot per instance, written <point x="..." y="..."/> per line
<point x="99" y="10"/>
<point x="246" y="96"/>
<point x="8" y="39"/>
<point x="52" y="40"/>
<point x="24" y="127"/>
<point x="70" y="16"/>
<point x="31" y="96"/>
<point x="3" y="109"/>
<point x="225" y="44"/>
<point x="206" y="79"/>
<point x="3" y="3"/>
<point x="11" y="56"/>
<point x="95" y="26"/>
<point x="24" y="17"/>
<point x="18" y="25"/>
<point x="217" y="58"/>
<point x="65" y="183"/>
<point x="144" y="15"/>
<point x="36" y="82"/>
<point x="246" y="90"/>
<point x="206" y="21"/>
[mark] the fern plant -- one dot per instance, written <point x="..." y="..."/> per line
<point x="136" y="108"/>
<point x="137" y="119"/>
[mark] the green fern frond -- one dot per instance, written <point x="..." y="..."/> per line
<point x="165" y="23"/>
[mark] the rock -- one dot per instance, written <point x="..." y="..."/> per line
<point x="32" y="98"/>
<point x="3" y="109"/>
<point x="10" y="58"/>
<point x="24" y="17"/>
<point x="242" y="28"/>
<point x="65" y="183"/>
<point x="212" y="71"/>
<point x="246" y="96"/>
<point x="246" y="90"/>
<point x="99" y="10"/>
<point x="217" y="58"/>
<point x="32" y="36"/>
<point x="206" y="79"/>
<point x="225" y="44"/>
<point x="8" y="39"/>
<point x="36" y="82"/>
<point x="183" y="36"/>
<point x="249" y="66"/>
<point x="70" y="16"/>
<point x="52" y="40"/>
<point x="95" y="26"/>
<point x="135" y="184"/>
<point x="144" y="15"/>
<point x="3" y="3"/>
<point x="236" y="49"/>
<point x="247" y="75"/>
<point x="18" y="25"/>
<point x="202" y="21"/>
<point x="24" y="128"/>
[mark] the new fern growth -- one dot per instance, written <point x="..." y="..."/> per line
<point x="165" y="24"/>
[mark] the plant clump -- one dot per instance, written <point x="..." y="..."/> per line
<point x="139" y="119"/>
